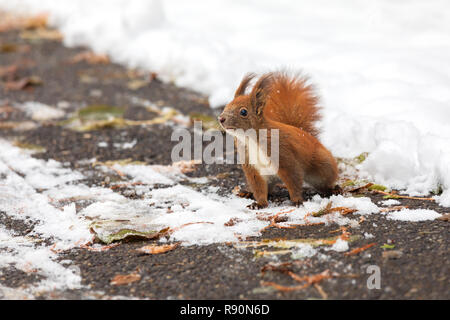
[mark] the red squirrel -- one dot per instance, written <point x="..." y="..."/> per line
<point x="285" y="102"/>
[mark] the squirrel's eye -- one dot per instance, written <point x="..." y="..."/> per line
<point x="243" y="112"/>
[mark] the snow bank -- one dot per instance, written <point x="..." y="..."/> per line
<point x="414" y="215"/>
<point x="383" y="74"/>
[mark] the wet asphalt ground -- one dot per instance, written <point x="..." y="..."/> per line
<point x="418" y="268"/>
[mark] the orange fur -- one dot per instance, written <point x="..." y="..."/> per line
<point x="288" y="104"/>
<point x="292" y="101"/>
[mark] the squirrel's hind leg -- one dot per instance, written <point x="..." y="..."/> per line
<point x="257" y="185"/>
<point x="323" y="178"/>
<point x="293" y="180"/>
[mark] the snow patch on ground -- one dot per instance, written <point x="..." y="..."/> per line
<point x="340" y="245"/>
<point x="29" y="257"/>
<point x="40" y="112"/>
<point x="390" y="202"/>
<point x="413" y="215"/>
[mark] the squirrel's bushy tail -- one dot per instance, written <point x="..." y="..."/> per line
<point x="292" y="101"/>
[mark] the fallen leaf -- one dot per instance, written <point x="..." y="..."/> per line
<point x="18" y="125"/>
<point x="395" y="208"/>
<point x="37" y="21"/>
<point x="109" y="231"/>
<point x="41" y="34"/>
<point x="23" y="83"/>
<point x="29" y="146"/>
<point x="8" y="71"/>
<point x="90" y="57"/>
<point x="12" y="47"/>
<point x="101" y="249"/>
<point x="152" y="249"/>
<point x="393" y="254"/>
<point x="16" y="22"/>
<point x="232" y="222"/>
<point x="388" y="246"/>
<point x="119" y="279"/>
<point x="306" y="280"/>
<point x="137" y="84"/>
<point x="208" y="122"/>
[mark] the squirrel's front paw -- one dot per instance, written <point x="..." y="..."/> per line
<point x="245" y="194"/>
<point x="337" y="190"/>
<point x="297" y="202"/>
<point x="256" y="205"/>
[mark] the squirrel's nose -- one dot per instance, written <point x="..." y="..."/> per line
<point x="221" y="119"/>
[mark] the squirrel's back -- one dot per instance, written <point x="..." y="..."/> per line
<point x="292" y="101"/>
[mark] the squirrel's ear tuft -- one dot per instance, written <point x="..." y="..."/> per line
<point x="260" y="91"/>
<point x="244" y="84"/>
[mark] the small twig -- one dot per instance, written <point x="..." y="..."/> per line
<point x="101" y="249"/>
<point x="396" y="208"/>
<point x="274" y="223"/>
<point x="118" y="186"/>
<point x="361" y="187"/>
<point x="321" y="291"/>
<point x="401" y="197"/>
<point x="358" y="250"/>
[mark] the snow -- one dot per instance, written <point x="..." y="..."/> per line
<point x="44" y="192"/>
<point x="340" y="245"/>
<point x="413" y="215"/>
<point x="40" y="112"/>
<point x="383" y="75"/>
<point x="303" y="250"/>
<point x="23" y="254"/>
<point x="390" y="202"/>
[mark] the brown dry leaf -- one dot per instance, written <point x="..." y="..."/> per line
<point x="101" y="249"/>
<point x="6" y="109"/>
<point x="18" y="125"/>
<point x="137" y="84"/>
<point x="311" y="279"/>
<point x="8" y="71"/>
<point x="445" y="217"/>
<point x="306" y="280"/>
<point x="41" y="34"/>
<point x="120" y="279"/>
<point x="281" y="267"/>
<point x="395" y="208"/>
<point x="12" y="47"/>
<point x="343" y="210"/>
<point x="186" y="166"/>
<point x="232" y="222"/>
<point x="15" y="22"/>
<point x="23" y="83"/>
<point x="35" y="22"/>
<point x="90" y="57"/>
<point x="152" y="249"/>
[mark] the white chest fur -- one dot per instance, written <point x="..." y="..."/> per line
<point x="250" y="149"/>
